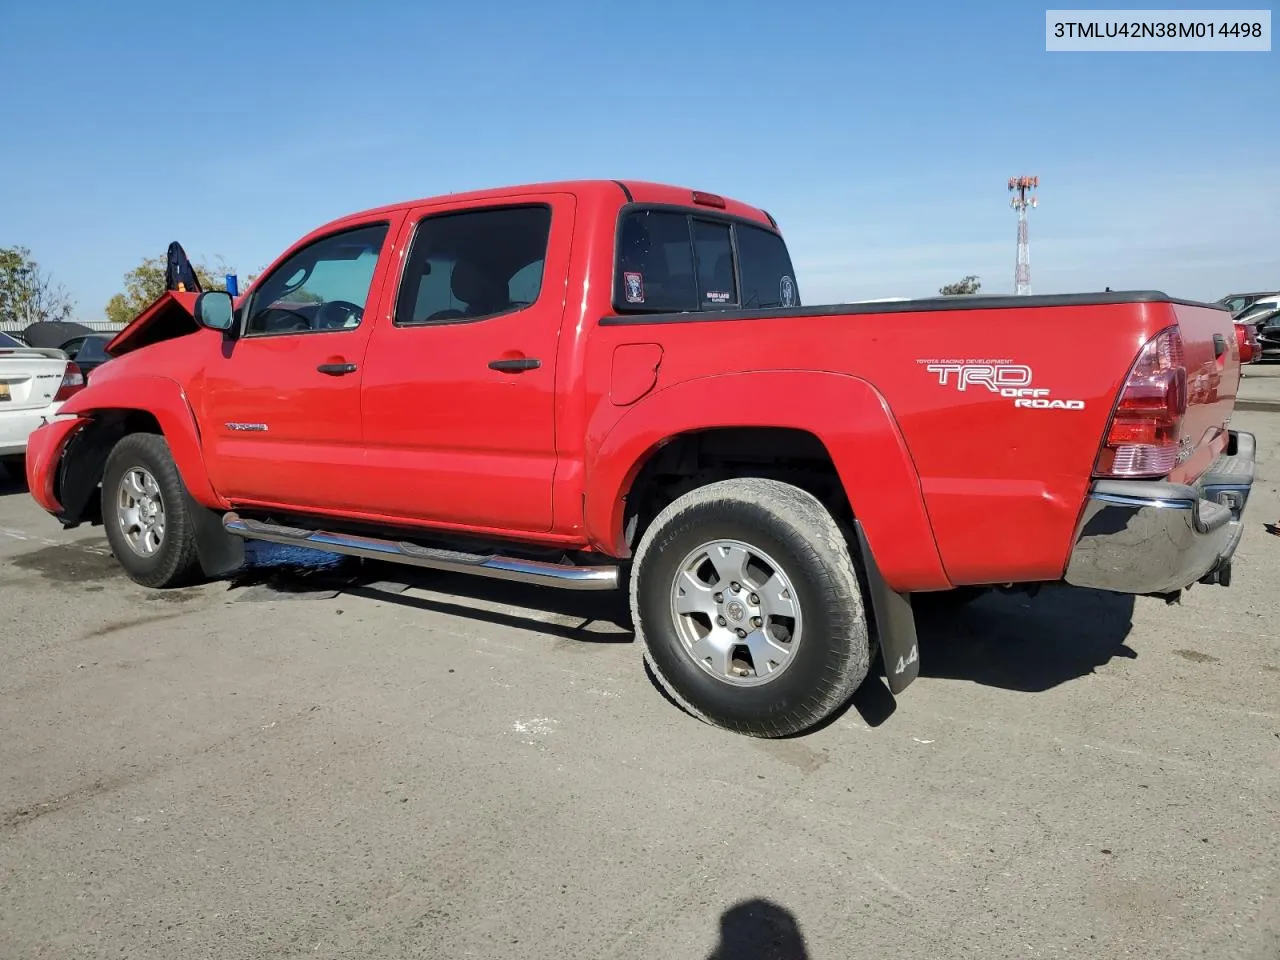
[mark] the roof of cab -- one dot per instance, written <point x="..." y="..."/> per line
<point x="640" y="191"/>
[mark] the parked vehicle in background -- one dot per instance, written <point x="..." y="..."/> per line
<point x="1247" y="337"/>
<point x="1236" y="302"/>
<point x="89" y="352"/>
<point x="1259" y="308"/>
<point x="1268" y="327"/>
<point x="599" y="385"/>
<point x="34" y="382"/>
<point x="54" y="333"/>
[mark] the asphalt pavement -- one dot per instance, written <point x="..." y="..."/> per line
<point x="311" y="760"/>
<point x="1260" y="387"/>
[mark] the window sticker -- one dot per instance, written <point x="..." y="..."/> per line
<point x="718" y="296"/>
<point x="634" y="283"/>
<point x="787" y="291"/>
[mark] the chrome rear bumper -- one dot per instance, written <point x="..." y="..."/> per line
<point x="1153" y="537"/>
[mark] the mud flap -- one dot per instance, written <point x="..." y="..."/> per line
<point x="219" y="552"/>
<point x="895" y="622"/>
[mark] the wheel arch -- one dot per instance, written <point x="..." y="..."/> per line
<point x="157" y="405"/>
<point x="132" y="405"/>
<point x="840" y="416"/>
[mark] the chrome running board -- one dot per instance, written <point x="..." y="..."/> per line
<point x="560" y="575"/>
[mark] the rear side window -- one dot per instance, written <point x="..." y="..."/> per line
<point x="678" y="262"/>
<point x="713" y="246"/>
<point x="767" y="277"/>
<point x="474" y="264"/>
<point x="655" y="263"/>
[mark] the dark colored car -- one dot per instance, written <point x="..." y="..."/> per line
<point x="89" y="352"/>
<point x="53" y="334"/>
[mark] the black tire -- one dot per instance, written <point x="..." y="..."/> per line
<point x="782" y="523"/>
<point x="174" y="562"/>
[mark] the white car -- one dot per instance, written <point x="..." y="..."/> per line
<point x="34" y="383"/>
<point x="1258" y="309"/>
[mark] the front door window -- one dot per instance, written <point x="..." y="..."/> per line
<point x="324" y="286"/>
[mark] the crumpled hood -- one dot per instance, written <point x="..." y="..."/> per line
<point x="172" y="315"/>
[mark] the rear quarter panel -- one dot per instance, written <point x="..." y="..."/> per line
<point x="1003" y="484"/>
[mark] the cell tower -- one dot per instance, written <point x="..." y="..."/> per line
<point x="1019" y="186"/>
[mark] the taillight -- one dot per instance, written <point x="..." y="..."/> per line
<point x="72" y="383"/>
<point x="1247" y="338"/>
<point x="1142" y="438"/>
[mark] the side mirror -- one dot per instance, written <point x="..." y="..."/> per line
<point x="214" y="310"/>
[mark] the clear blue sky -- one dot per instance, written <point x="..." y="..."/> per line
<point x="880" y="136"/>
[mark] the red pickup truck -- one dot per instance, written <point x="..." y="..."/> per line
<point x="605" y="384"/>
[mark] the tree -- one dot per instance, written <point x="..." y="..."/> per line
<point x="27" y="294"/>
<point x="969" y="285"/>
<point x="144" y="284"/>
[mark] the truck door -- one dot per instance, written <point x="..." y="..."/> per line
<point x="280" y="411"/>
<point x="459" y="389"/>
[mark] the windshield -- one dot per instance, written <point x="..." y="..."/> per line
<point x="8" y="341"/>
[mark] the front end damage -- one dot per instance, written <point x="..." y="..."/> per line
<point x="65" y="462"/>
<point x="46" y="447"/>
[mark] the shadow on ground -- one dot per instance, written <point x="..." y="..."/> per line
<point x="278" y="572"/>
<point x="1026" y="644"/>
<point x="11" y="483"/>
<point x="759" y="930"/>
<point x="1012" y="641"/>
<point x="1008" y="641"/>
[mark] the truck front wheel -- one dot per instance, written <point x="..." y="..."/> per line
<point x="144" y="512"/>
<point x="746" y="602"/>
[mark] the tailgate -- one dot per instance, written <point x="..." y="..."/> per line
<point x="30" y="377"/>
<point x="1212" y="357"/>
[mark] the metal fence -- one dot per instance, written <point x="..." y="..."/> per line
<point x="97" y="326"/>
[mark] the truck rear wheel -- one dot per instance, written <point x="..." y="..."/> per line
<point x="746" y="602"/>
<point x="144" y="512"/>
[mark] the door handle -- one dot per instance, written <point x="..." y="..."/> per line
<point x="1219" y="345"/>
<point x="337" y="369"/>
<point x="518" y="365"/>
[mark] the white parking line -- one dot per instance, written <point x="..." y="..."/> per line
<point x="12" y="534"/>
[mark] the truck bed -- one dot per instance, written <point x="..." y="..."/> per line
<point x="1003" y="478"/>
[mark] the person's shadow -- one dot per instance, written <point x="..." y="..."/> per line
<point x="759" y="930"/>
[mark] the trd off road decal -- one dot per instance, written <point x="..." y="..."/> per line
<point x="1012" y="381"/>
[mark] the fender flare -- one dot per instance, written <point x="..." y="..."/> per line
<point x="847" y="414"/>
<point x="165" y="400"/>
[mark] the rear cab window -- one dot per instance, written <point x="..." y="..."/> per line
<point x="673" y="260"/>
